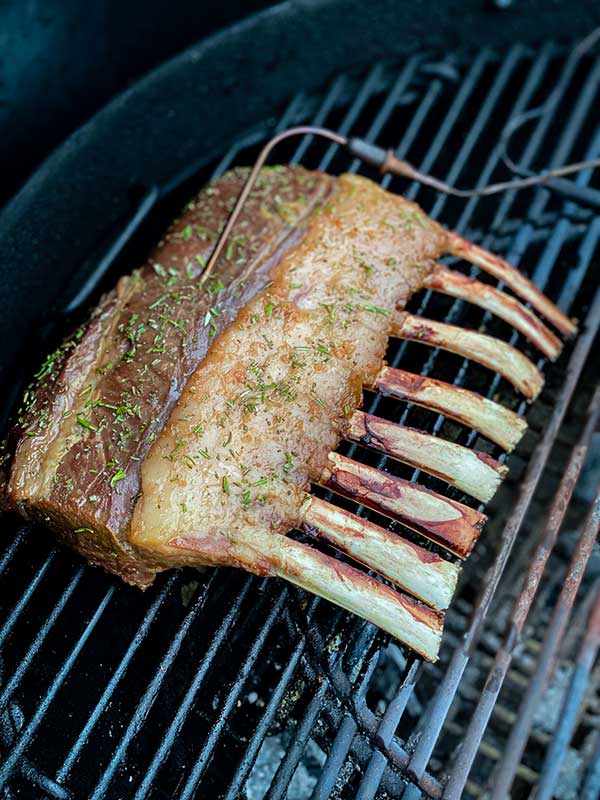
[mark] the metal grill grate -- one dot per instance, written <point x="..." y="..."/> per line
<point x="217" y="684"/>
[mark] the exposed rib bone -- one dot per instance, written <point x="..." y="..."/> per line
<point x="492" y="353"/>
<point x="409" y="620"/>
<point x="452" y="524"/>
<point x="497" y="423"/>
<point x="473" y="472"/>
<point x="423" y="574"/>
<point x="502" y="305"/>
<point x="506" y="273"/>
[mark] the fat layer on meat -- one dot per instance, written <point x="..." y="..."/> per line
<point x="259" y="416"/>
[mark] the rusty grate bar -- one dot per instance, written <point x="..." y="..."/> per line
<point x="503" y="658"/>
<point x="556" y="629"/>
<point x="460" y="659"/>
<point x="573" y="700"/>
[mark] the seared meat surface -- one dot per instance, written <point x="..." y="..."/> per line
<point x="102" y="398"/>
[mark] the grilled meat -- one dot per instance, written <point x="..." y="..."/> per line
<point x="186" y="423"/>
<point x="101" y="399"/>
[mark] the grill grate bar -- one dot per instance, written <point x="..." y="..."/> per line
<point x="540" y="129"/>
<point x="287" y="766"/>
<point x="262" y="728"/>
<point x="39" y="639"/>
<point x="574" y="699"/>
<point x="555" y="631"/>
<point x="249" y="661"/>
<point x="502" y="661"/>
<point x="23" y="742"/>
<point x="454" y="674"/>
<point x="591" y="785"/>
<point x="12" y="548"/>
<point x="534" y="78"/>
<point x="24" y="599"/>
<point x="325" y="109"/>
<point x="507" y="69"/>
<point x="385" y="732"/>
<point x="139" y="636"/>
<point x="366" y="92"/>
<point x="467" y="87"/>
<point x="150" y="694"/>
<point x="343" y="739"/>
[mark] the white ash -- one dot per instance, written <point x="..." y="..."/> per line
<point x="271" y="752"/>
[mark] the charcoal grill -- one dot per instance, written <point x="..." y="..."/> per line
<point x="219" y="685"/>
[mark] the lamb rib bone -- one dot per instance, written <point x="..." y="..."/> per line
<point x="511" y="277"/>
<point x="409" y="620"/>
<point x="494" y="421"/>
<point x="453" y="525"/>
<point x="493" y="353"/>
<point x="470" y="471"/>
<point x="421" y="573"/>
<point x="502" y="305"/>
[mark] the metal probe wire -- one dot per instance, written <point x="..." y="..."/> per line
<point x="386" y="162"/>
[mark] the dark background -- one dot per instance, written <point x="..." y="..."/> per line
<point x="61" y="60"/>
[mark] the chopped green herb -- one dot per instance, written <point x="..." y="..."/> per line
<point x="319" y="400"/>
<point x="225" y="484"/>
<point x="158" y="302"/>
<point x="377" y="310"/>
<point x="86" y="424"/>
<point x="331" y="313"/>
<point x="118" y="476"/>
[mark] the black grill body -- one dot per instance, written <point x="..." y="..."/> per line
<point x="217" y="684"/>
